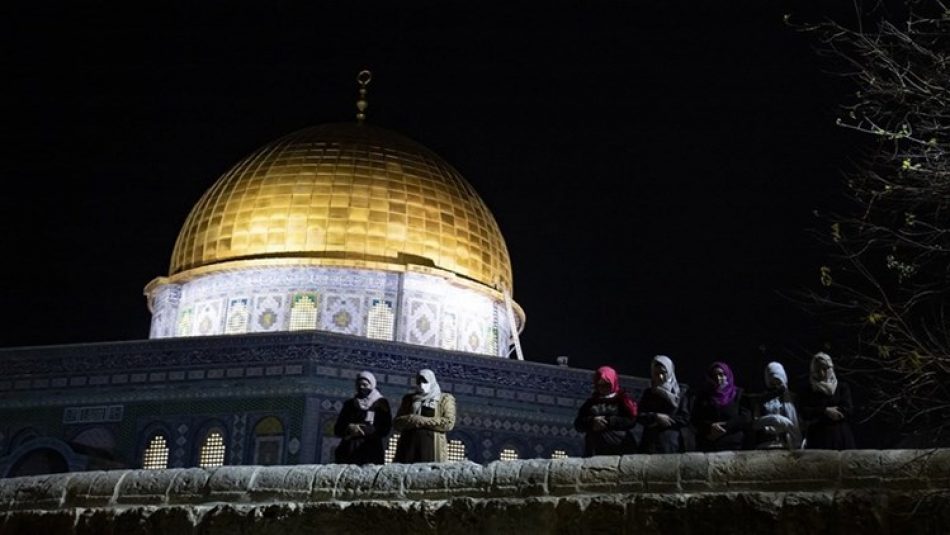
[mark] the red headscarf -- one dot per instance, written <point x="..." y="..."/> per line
<point x="608" y="374"/>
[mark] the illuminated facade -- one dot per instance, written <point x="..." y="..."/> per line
<point x="344" y="228"/>
<point x="335" y="249"/>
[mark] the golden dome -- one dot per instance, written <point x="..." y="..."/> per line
<point x="345" y="193"/>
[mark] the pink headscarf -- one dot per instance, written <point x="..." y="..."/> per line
<point x="608" y="374"/>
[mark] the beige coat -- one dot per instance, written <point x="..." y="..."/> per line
<point x="441" y="423"/>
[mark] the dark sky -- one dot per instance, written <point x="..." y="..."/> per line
<point x="653" y="165"/>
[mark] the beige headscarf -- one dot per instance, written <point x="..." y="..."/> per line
<point x="819" y="382"/>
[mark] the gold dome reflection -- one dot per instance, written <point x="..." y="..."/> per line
<point x="345" y="192"/>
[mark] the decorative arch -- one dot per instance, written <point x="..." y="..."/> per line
<point x="461" y="446"/>
<point x="269" y="437"/>
<point x="510" y="449"/>
<point x="211" y="445"/>
<point x="43" y="455"/>
<point x="560" y="450"/>
<point x="21" y="437"/>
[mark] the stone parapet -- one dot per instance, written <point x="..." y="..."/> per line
<point x="871" y="491"/>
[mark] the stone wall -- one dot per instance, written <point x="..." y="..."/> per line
<point x="867" y="491"/>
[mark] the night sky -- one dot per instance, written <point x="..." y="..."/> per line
<point x="653" y="165"/>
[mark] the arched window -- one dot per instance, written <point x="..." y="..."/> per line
<point x="559" y="454"/>
<point x="379" y="321"/>
<point x="212" y="449"/>
<point x="391" y="450"/>
<point x="239" y="316"/>
<point x="268" y="441"/>
<point x="508" y="454"/>
<point x="456" y="451"/>
<point x="156" y="454"/>
<point x="303" y="312"/>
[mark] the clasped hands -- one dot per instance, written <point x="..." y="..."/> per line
<point x="716" y="430"/>
<point x="834" y="413"/>
<point x="354" y="431"/>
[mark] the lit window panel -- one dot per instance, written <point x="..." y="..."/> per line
<point x="303" y="312"/>
<point x="559" y="454"/>
<point x="456" y="451"/>
<point x="238" y="316"/>
<point x="156" y="454"/>
<point x="391" y="450"/>
<point x="212" y="451"/>
<point x="379" y="322"/>
<point x="508" y="454"/>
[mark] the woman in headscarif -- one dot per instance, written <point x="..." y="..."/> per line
<point x="607" y="417"/>
<point x="664" y="411"/>
<point x="774" y="416"/>
<point x="424" y="417"/>
<point x="719" y="415"/>
<point x="363" y="423"/>
<point x="826" y="406"/>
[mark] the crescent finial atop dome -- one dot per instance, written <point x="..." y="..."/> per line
<point x="363" y="79"/>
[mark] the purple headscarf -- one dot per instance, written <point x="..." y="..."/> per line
<point x="721" y="395"/>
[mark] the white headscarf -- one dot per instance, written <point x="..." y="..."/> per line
<point x="428" y="394"/>
<point x="670" y="389"/>
<point x="778" y="413"/>
<point x="817" y="377"/>
<point x="374" y="395"/>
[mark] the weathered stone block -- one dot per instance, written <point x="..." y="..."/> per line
<point x="469" y="477"/>
<point x="299" y="479"/>
<point x="275" y="483"/>
<point x="34" y="522"/>
<point x="564" y="475"/>
<point x="505" y="480"/>
<point x="661" y="473"/>
<point x="905" y="469"/>
<point x="424" y="481"/>
<point x="533" y="475"/>
<point x="389" y="480"/>
<point x="134" y="521"/>
<point x="231" y="483"/>
<point x="630" y="473"/>
<point x="938" y="468"/>
<point x="861" y="468"/>
<point x="599" y="473"/>
<point x="96" y="521"/>
<point x="224" y="519"/>
<point x="324" y="481"/>
<point x="39" y="492"/>
<point x="863" y="512"/>
<point x="145" y="487"/>
<point x="807" y="512"/>
<point x="95" y="491"/>
<point x="190" y="485"/>
<point x="694" y="472"/>
<point x="356" y="483"/>
<point x="767" y="470"/>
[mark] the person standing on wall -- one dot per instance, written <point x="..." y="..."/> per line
<point x="827" y="407"/>
<point x="425" y="416"/>
<point x="664" y="411"/>
<point x="719" y="415"/>
<point x="607" y="417"/>
<point x="363" y="423"/>
<point x="775" y="422"/>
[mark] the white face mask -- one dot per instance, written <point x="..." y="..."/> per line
<point x="425" y="388"/>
